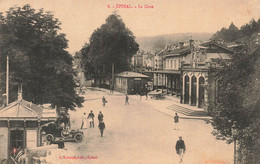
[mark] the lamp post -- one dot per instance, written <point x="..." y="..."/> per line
<point x="234" y="134"/>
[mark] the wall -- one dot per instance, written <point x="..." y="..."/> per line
<point x="121" y="84"/>
<point x="173" y="63"/>
<point x="212" y="90"/>
<point x="4" y="143"/>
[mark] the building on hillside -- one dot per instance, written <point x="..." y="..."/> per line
<point x="168" y="76"/>
<point x="150" y="61"/>
<point x="130" y="82"/>
<point x="198" y="74"/>
<point x="189" y="71"/>
<point x="20" y="125"/>
<point x="137" y="60"/>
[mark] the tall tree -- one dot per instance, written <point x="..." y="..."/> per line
<point x="238" y="102"/>
<point x="38" y="59"/>
<point x="112" y="43"/>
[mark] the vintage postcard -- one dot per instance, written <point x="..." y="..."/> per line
<point x="129" y="81"/>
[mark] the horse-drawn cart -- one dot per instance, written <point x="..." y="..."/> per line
<point x="157" y="94"/>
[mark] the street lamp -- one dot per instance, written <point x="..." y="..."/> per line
<point x="234" y="131"/>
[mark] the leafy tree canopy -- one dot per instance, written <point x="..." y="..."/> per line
<point x="233" y="34"/>
<point x="38" y="59"/>
<point x="238" y="102"/>
<point x="113" y="43"/>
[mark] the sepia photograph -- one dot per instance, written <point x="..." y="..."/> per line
<point x="129" y="81"/>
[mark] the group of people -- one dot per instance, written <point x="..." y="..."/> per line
<point x="63" y="120"/>
<point x="90" y="119"/>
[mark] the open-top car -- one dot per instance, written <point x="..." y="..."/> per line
<point x="54" y="130"/>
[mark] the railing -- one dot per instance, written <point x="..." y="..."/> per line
<point x="202" y="65"/>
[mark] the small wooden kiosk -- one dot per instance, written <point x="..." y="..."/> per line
<point x="130" y="82"/>
<point x="20" y="125"/>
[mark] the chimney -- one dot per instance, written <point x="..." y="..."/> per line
<point x="20" y="93"/>
<point x="181" y="44"/>
<point x="191" y="42"/>
<point x="168" y="46"/>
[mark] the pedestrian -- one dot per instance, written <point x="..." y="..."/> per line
<point x="100" y="116"/>
<point x="140" y="95"/>
<point x="111" y="88"/>
<point x="176" y="121"/>
<point x="91" y="119"/>
<point x="67" y="121"/>
<point x="101" y="127"/>
<point x="126" y="99"/>
<point x="84" y="120"/>
<point x="104" y="101"/>
<point x="180" y="148"/>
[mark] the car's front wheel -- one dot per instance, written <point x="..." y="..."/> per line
<point x="49" y="137"/>
<point x="78" y="137"/>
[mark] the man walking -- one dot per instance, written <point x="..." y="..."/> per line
<point x="101" y="127"/>
<point x="84" y="120"/>
<point x="104" y="101"/>
<point x="176" y="121"/>
<point x="100" y="116"/>
<point x="126" y="99"/>
<point x="91" y="118"/>
<point x="180" y="148"/>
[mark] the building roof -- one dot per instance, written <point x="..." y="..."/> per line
<point x="165" y="71"/>
<point x="24" y="109"/>
<point x="206" y="44"/>
<point x="131" y="74"/>
<point x="186" y="49"/>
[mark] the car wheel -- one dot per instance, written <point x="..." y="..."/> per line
<point x="78" y="137"/>
<point x="49" y="137"/>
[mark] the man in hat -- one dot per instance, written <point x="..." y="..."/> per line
<point x="91" y="119"/>
<point x="100" y="116"/>
<point x="104" y="101"/>
<point x="126" y="99"/>
<point x="101" y="127"/>
<point x="180" y="148"/>
<point x="176" y="121"/>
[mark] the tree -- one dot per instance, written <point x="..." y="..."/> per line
<point x="38" y="59"/>
<point x="233" y="34"/>
<point x="238" y="102"/>
<point x="112" y="43"/>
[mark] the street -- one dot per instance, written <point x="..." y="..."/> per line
<point x="139" y="133"/>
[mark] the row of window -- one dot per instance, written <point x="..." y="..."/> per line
<point x="173" y="64"/>
<point x="121" y="81"/>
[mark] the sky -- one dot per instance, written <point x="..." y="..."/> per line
<point x="80" y="18"/>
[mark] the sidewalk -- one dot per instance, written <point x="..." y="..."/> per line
<point x="169" y="106"/>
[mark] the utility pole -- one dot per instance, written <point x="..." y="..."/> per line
<point x="7" y="80"/>
<point x="113" y="72"/>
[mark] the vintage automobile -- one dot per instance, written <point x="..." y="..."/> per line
<point x="54" y="130"/>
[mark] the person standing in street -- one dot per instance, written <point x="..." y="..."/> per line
<point x="91" y="119"/>
<point x="67" y="121"/>
<point x="126" y="100"/>
<point x="104" y="101"/>
<point x="84" y="120"/>
<point x="101" y="127"/>
<point x="180" y="148"/>
<point x="100" y="116"/>
<point x="176" y="121"/>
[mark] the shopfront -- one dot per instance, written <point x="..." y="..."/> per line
<point x="20" y="126"/>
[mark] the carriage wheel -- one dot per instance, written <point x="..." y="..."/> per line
<point x="78" y="137"/>
<point x="49" y="137"/>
